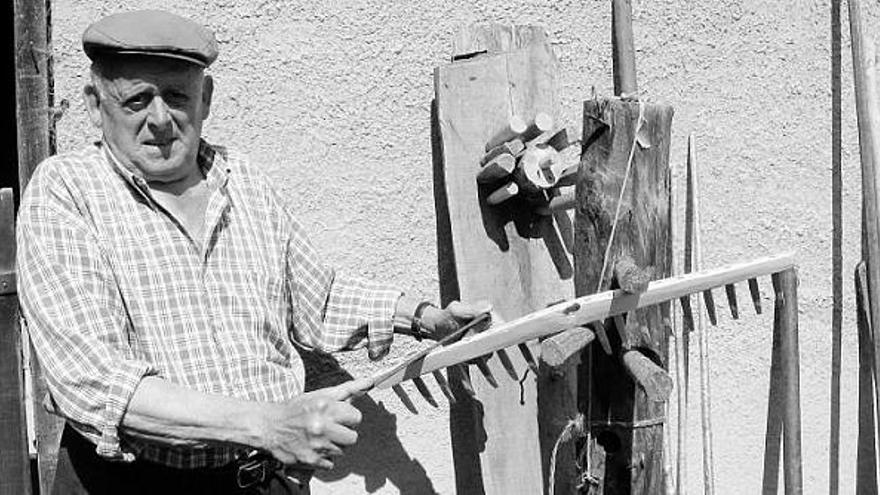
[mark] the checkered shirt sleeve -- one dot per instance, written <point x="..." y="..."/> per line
<point x="75" y="316"/>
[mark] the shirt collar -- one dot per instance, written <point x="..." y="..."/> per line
<point x="211" y="163"/>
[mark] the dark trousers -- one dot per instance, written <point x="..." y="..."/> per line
<point x="81" y="471"/>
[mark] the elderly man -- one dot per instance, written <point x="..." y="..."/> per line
<point x="165" y="289"/>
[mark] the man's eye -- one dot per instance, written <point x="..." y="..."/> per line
<point x="137" y="103"/>
<point x="176" y="99"/>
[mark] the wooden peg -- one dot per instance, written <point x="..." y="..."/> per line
<point x="515" y="127"/>
<point x="507" y="364"/>
<point x="653" y="379"/>
<point x="543" y="123"/>
<point x="568" y="177"/>
<point x="503" y="194"/>
<point x="756" y="294"/>
<point x="527" y="355"/>
<point x="424" y="390"/>
<point x="404" y="397"/>
<point x="565" y="201"/>
<point x="557" y="349"/>
<point x="599" y="330"/>
<point x="513" y="147"/>
<point x="730" y="290"/>
<point x="498" y="168"/>
<point x="630" y="277"/>
<point x="559" y="140"/>
<point x="687" y="314"/>
<point x="709" y="301"/>
<point x="444" y="385"/>
<point x="486" y="371"/>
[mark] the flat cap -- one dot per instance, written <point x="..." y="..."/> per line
<point x="150" y="32"/>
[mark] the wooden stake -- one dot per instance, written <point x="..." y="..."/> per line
<point x="503" y="194"/>
<point x="785" y="286"/>
<point x="15" y="474"/>
<point x="559" y="348"/>
<point x="623" y="49"/>
<point x="653" y="379"/>
<point x="498" y="168"/>
<point x="864" y="79"/>
<point x="866" y="458"/>
<point x="514" y="128"/>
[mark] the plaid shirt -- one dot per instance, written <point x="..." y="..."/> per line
<point x="113" y="290"/>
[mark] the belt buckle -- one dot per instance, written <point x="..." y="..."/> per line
<point x="253" y="471"/>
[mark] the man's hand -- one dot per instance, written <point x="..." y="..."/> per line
<point x="442" y="322"/>
<point x="313" y="428"/>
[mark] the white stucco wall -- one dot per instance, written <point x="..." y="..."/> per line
<point x="332" y="99"/>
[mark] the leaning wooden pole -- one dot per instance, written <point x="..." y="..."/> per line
<point x="864" y="79"/>
<point x="785" y="286"/>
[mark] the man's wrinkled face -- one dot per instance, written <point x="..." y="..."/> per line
<point x="150" y="110"/>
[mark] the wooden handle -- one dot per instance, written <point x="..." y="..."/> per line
<point x="623" y="50"/>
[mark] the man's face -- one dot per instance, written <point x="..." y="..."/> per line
<point x="150" y="110"/>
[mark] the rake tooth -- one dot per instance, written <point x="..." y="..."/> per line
<point x="599" y="330"/>
<point x="484" y="368"/>
<point x="709" y="300"/>
<point x="730" y="290"/>
<point x="404" y="397"/>
<point x="425" y="391"/>
<point x="620" y="326"/>
<point x="687" y="314"/>
<point x="444" y="385"/>
<point x="756" y="294"/>
<point x="464" y="378"/>
<point x="507" y="364"/>
<point x="527" y="355"/>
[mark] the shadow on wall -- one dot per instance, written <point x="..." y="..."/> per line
<point x="378" y="457"/>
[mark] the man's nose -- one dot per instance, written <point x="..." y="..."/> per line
<point x="159" y="115"/>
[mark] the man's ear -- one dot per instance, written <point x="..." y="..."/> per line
<point x="92" y="99"/>
<point x="207" y="94"/>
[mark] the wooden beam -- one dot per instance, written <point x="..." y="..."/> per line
<point x="15" y="474"/>
<point x="489" y="251"/>
<point x="582" y="311"/>
<point x="623" y="182"/>
<point x="785" y="286"/>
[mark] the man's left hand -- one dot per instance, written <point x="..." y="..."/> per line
<point x="439" y="323"/>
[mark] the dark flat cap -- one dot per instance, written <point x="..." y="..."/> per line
<point x="150" y="32"/>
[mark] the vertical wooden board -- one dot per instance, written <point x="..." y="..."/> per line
<point x="14" y="459"/>
<point x="627" y="459"/>
<point x="498" y="253"/>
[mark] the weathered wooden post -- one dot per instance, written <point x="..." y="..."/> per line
<point x="623" y="187"/>
<point x="14" y="460"/>
<point x="35" y="124"/>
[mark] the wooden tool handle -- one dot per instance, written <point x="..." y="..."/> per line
<point x="623" y="49"/>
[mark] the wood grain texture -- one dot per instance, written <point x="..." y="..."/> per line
<point x="14" y="461"/>
<point x="785" y="285"/>
<point x="499" y="253"/>
<point x="634" y="464"/>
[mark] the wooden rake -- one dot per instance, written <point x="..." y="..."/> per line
<point x="783" y="422"/>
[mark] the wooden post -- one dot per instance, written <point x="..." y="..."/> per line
<point x="14" y="460"/>
<point x="785" y="285"/>
<point x="626" y="450"/>
<point x="505" y="253"/>
<point x="33" y="80"/>
<point x="866" y="457"/>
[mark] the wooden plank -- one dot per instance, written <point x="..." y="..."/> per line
<point x="496" y="252"/>
<point x="610" y="159"/>
<point x="583" y="310"/>
<point x="14" y="460"/>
